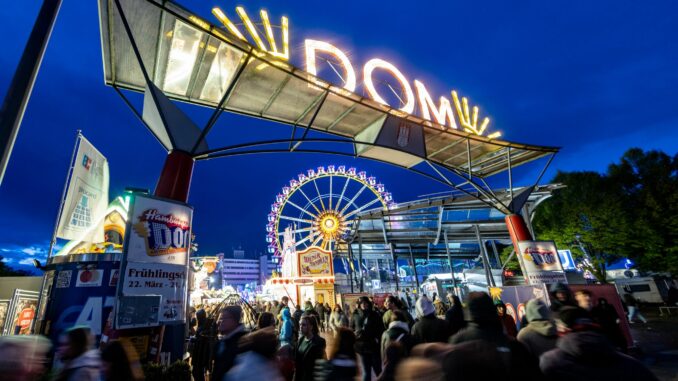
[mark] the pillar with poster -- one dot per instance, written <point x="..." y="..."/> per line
<point x="540" y="262"/>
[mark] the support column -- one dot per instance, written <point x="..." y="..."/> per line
<point x="451" y="263"/>
<point x="360" y="263"/>
<point x="414" y="267"/>
<point x="175" y="179"/>
<point x="518" y="230"/>
<point x="483" y="256"/>
<point x="395" y="263"/>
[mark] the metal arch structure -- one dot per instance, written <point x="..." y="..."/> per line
<point x="141" y="43"/>
<point x="323" y="219"/>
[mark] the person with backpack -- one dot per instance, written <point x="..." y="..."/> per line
<point x="368" y="327"/>
<point x="398" y="332"/>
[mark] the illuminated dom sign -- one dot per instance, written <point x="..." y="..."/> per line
<point x="461" y="117"/>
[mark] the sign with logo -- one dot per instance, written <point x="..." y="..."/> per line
<point x="167" y="281"/>
<point x="566" y="260"/>
<point x="89" y="278"/>
<point x="315" y="262"/>
<point x="540" y="262"/>
<point x="161" y="231"/>
<point x="87" y="196"/>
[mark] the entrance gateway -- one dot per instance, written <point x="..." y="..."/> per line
<point x="170" y="54"/>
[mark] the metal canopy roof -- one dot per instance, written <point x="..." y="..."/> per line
<point x="420" y="227"/>
<point x="196" y="62"/>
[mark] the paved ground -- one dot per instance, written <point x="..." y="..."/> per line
<point x="657" y="343"/>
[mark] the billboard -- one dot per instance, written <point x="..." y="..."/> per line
<point x="315" y="262"/>
<point x="540" y="262"/>
<point x="154" y="274"/>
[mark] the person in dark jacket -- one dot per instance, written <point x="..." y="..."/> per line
<point x="226" y="348"/>
<point x="398" y="332"/>
<point x="200" y="346"/>
<point x="320" y="310"/>
<point x="507" y="321"/>
<point x="455" y="316"/>
<point x="606" y="316"/>
<point x="368" y="327"/>
<point x="311" y="347"/>
<point x="342" y="365"/>
<point x="582" y="353"/>
<point x="481" y="350"/>
<point x="429" y="329"/>
<point x="540" y="334"/>
<point x="310" y="311"/>
<point x="393" y="354"/>
<point x="560" y="296"/>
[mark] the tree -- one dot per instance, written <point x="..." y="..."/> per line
<point x="649" y="183"/>
<point x="591" y="208"/>
<point x="8" y="271"/>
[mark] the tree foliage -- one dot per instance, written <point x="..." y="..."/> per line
<point x="631" y="211"/>
<point x="8" y="271"/>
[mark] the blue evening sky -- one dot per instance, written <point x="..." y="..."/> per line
<point x="593" y="77"/>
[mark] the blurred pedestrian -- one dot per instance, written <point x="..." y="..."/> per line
<point x="632" y="305"/>
<point x="428" y="329"/>
<point x="120" y="362"/>
<point x="257" y="358"/>
<point x="455" y="316"/>
<point x="368" y="327"/>
<point x="266" y="319"/>
<point x="507" y="320"/>
<point x="398" y="332"/>
<point x="338" y="319"/>
<point x="226" y="349"/>
<point x="540" y="334"/>
<point x="310" y="311"/>
<point x="286" y="361"/>
<point x="311" y="347"/>
<point x="342" y="365"/>
<point x="584" y="300"/>
<point x="606" y="316"/>
<point x="199" y="346"/>
<point x="286" y="328"/>
<point x="419" y="369"/>
<point x="80" y="361"/>
<point x="393" y="355"/>
<point x="23" y="357"/>
<point x="320" y="310"/>
<point x="582" y="353"/>
<point x="560" y="296"/>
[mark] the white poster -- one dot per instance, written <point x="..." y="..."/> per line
<point x="167" y="280"/>
<point x="541" y="263"/>
<point x="86" y="197"/>
<point x="161" y="231"/>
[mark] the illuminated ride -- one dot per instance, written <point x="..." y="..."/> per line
<point x="319" y="206"/>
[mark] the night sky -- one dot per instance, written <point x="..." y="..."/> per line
<point x="593" y="77"/>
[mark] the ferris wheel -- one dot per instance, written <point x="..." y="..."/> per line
<point x="316" y="208"/>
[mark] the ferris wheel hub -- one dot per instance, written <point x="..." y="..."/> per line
<point x="329" y="224"/>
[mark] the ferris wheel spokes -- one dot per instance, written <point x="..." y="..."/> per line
<point x="302" y="209"/>
<point x="309" y="200"/>
<point x="319" y="195"/>
<point x="295" y="231"/>
<point x="358" y="210"/>
<point x="354" y="198"/>
<point x="296" y="219"/>
<point x="341" y="197"/>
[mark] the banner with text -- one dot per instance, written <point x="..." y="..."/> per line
<point x="540" y="261"/>
<point x="168" y="281"/>
<point x="86" y="197"/>
<point x="315" y="262"/>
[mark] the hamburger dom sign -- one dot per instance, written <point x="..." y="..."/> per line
<point x="240" y="63"/>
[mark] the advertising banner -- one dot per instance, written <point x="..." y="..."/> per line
<point x="4" y="307"/>
<point x="161" y="231"/>
<point x="315" y="262"/>
<point x="516" y="297"/>
<point x="86" y="197"/>
<point x="540" y="262"/>
<point x="166" y="281"/>
<point x="21" y="312"/>
<point x="566" y="260"/>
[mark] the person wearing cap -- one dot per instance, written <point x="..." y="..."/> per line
<point x="428" y="328"/>
<point x="368" y="327"/>
<point x="582" y="352"/>
<point x="560" y="296"/>
<point x="541" y="334"/>
<point x="506" y="320"/>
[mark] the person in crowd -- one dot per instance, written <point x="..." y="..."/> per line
<point x="200" y="346"/>
<point x="482" y="351"/>
<point x="582" y="353"/>
<point x="419" y="369"/>
<point x="342" y="365"/>
<point x="310" y="311"/>
<point x="455" y="316"/>
<point x="393" y="355"/>
<point x="606" y="316"/>
<point x="296" y="316"/>
<point x="328" y="315"/>
<point x="368" y="327"/>
<point x="226" y="349"/>
<point x="286" y="361"/>
<point x="266" y="319"/>
<point x="320" y="311"/>
<point x="338" y="319"/>
<point x="439" y="306"/>
<point x="257" y="358"/>
<point x="23" y="357"/>
<point x="311" y="347"/>
<point x="393" y="303"/>
<point x="540" y="334"/>
<point x="507" y="321"/>
<point x="80" y="361"/>
<point x="284" y="304"/>
<point x="275" y="308"/>
<point x="428" y="329"/>
<point x="286" y="328"/>
<point x="561" y="296"/>
<point x="120" y="362"/>
<point x="398" y="332"/>
<point x="584" y="299"/>
<point x="632" y="305"/>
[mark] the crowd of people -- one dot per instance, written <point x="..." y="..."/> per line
<point x="444" y="340"/>
<point x="397" y="340"/>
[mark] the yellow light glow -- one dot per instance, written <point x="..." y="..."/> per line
<point x="219" y="14"/>
<point x="312" y="46"/>
<point x="286" y="37"/>
<point x="269" y="30"/>
<point x="375" y="63"/>
<point x="470" y="123"/>
<point x="250" y="27"/>
<point x="442" y="114"/>
<point x="494" y="135"/>
<point x="199" y="22"/>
